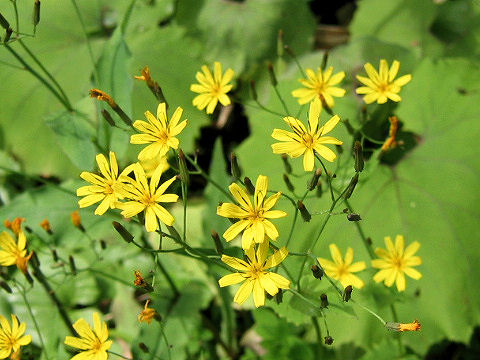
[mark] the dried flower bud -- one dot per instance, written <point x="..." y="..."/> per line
<point x="124" y="233"/>
<point x="141" y="282"/>
<point x="235" y="169"/>
<point x="75" y="220"/>
<point x="73" y="268"/>
<point x="347" y="293"/>
<point x="143" y="347"/>
<point x="303" y="211"/>
<point x="324" y="300"/>
<point x="152" y="85"/>
<point x="249" y="186"/>
<point x="317" y="271"/>
<point x="351" y="186"/>
<point x="358" y="151"/>
<point x="286" y="164"/>
<point x="16" y="225"/>
<point x="328" y="340"/>
<point x="45" y="225"/>
<point x="101" y="95"/>
<point x="217" y="242"/>
<point x="288" y="183"/>
<point x="36" y="12"/>
<point x="271" y="73"/>
<point x="182" y="164"/>
<point x="279" y="296"/>
<point x="5" y="287"/>
<point x="414" y="326"/>
<point x="314" y="180"/>
<point x="147" y="314"/>
<point x="353" y="217"/>
<point x="253" y="91"/>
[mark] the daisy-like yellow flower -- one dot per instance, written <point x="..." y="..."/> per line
<point x="381" y="86"/>
<point x="395" y="262"/>
<point x="342" y="269"/>
<point x="14" y="253"/>
<point x="104" y="187"/>
<point x="253" y="219"/>
<point x="320" y="86"/>
<point x="158" y="132"/>
<point x="145" y="196"/>
<point x="12" y="338"/>
<point x="254" y="274"/>
<point x="147" y="314"/>
<point x="212" y="89"/>
<point x="93" y="342"/>
<point x="307" y="142"/>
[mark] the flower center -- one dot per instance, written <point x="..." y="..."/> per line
<point x="163" y="137"/>
<point x="148" y="200"/>
<point x="398" y="262"/>
<point x="216" y="90"/>
<point x="256" y="271"/>
<point x="342" y="271"/>
<point x="383" y="87"/>
<point x="108" y="188"/>
<point x="307" y="140"/>
<point x="97" y="345"/>
<point x="257" y="215"/>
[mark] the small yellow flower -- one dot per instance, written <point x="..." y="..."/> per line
<point x="255" y="275"/>
<point x="149" y="165"/>
<point x="146" y="196"/>
<point x="320" y="86"/>
<point x="93" y="342"/>
<point x="395" y="262"/>
<point x="390" y="143"/>
<point x="158" y="132"/>
<point x="212" y="89"/>
<point x="12" y="338"/>
<point x="343" y="269"/>
<point x="13" y="253"/>
<point x="104" y="188"/>
<point x="147" y="314"/>
<point x="252" y="218"/>
<point x="307" y="142"/>
<point x="381" y="86"/>
<point x="414" y="326"/>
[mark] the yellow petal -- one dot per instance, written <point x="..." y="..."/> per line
<point x="277" y="257"/>
<point x="400" y="281"/>
<point x="258" y="294"/>
<point x="235" y="229"/>
<point x="335" y="253"/>
<point x="414" y="274"/>
<point x="260" y="191"/>
<point x="235" y="263"/>
<point x="308" y="160"/>
<point x="279" y="280"/>
<point x="240" y="196"/>
<point x="393" y="70"/>
<point x="244" y="292"/>
<point x="313" y="115"/>
<point x="231" y="279"/>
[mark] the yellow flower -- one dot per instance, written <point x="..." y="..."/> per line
<point x="146" y="196"/>
<point x="12" y="338"/>
<point x="414" y="326"/>
<point x="395" y="262"/>
<point x="13" y="253"/>
<point x="390" y="142"/>
<point x="382" y="86"/>
<point x="255" y="275"/>
<point x="343" y="269"/>
<point x="252" y="218"/>
<point x="93" y="342"/>
<point x="149" y="165"/>
<point x="212" y="89"/>
<point x="307" y="142"/>
<point x="147" y="314"/>
<point x="104" y="188"/>
<point x="320" y="86"/>
<point x="158" y="132"/>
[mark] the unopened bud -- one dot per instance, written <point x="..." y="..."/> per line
<point x="71" y="262"/>
<point x="319" y="191"/>
<point x="108" y="118"/>
<point x="75" y="220"/>
<point x="45" y="225"/>
<point x="5" y="287"/>
<point x="347" y="293"/>
<point x="28" y="277"/>
<point x="314" y="180"/>
<point x="351" y="186"/>
<point x="303" y="211"/>
<point x="143" y="347"/>
<point x="286" y="164"/>
<point x="54" y="255"/>
<point x="271" y="73"/>
<point x="182" y="164"/>
<point x="234" y="168"/>
<point x="35" y="261"/>
<point x="249" y="186"/>
<point x="353" y="217"/>
<point x="324" y="301"/>
<point x="324" y="60"/>
<point x="288" y="183"/>
<point x="217" y="242"/>
<point x="4" y="22"/>
<point x="36" y="12"/>
<point x="253" y="91"/>
<point x="358" y="151"/>
<point x="124" y="233"/>
<point x="103" y="244"/>
<point x="328" y="340"/>
<point x="317" y="271"/>
<point x="279" y="296"/>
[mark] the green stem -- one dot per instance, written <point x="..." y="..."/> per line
<point x="329" y="179"/>
<point x="371" y="253"/>
<point x="185" y="202"/>
<point x="119" y="355"/>
<point x="261" y="107"/>
<point x="166" y="343"/>
<point x="168" y="278"/>
<point x="316" y="326"/>
<point x="281" y="100"/>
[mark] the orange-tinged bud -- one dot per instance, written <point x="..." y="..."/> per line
<point x="390" y="143"/>
<point x="16" y="225"/>
<point x="147" y="314"/>
<point x="100" y="95"/>
<point x="413" y="326"/>
<point x="7" y="224"/>
<point x="138" y="281"/>
<point x="45" y="225"/>
<point x="75" y="220"/>
<point x="22" y="262"/>
<point x="145" y="76"/>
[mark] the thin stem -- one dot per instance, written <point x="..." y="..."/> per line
<point x="325" y="321"/>
<point x="119" y="355"/>
<point x="168" y="278"/>
<point x="166" y="342"/>
<point x="185" y="202"/>
<point x="261" y="107"/>
<point x="316" y="326"/>
<point x="329" y="179"/>
<point x="379" y="318"/>
<point x="371" y="253"/>
<point x="281" y="100"/>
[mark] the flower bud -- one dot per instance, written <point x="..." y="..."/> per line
<point x="358" y="151"/>
<point x="4" y="22"/>
<point x="319" y="191"/>
<point x="182" y="164"/>
<point x="75" y="220"/>
<point x="54" y="255"/>
<point x="103" y="244"/>
<point x="303" y="211"/>
<point x="253" y="91"/>
<point x="249" y="186"/>
<point x="217" y="242"/>
<point x="235" y="169"/>
<point x="5" y="287"/>
<point x="286" y="164"/>
<point x="45" y="225"/>
<point x="279" y="296"/>
<point x="71" y="262"/>
<point x="324" y="301"/>
<point x="317" y="272"/>
<point x="328" y="340"/>
<point x="108" y="118"/>
<point x="351" y="186"/>
<point x="271" y="73"/>
<point x="353" y="217"/>
<point x="347" y="293"/>
<point x="414" y="326"/>
<point x="314" y="180"/>
<point x="124" y="233"/>
<point x="143" y="347"/>
<point x="36" y="13"/>
<point x="324" y="60"/>
<point x="288" y="183"/>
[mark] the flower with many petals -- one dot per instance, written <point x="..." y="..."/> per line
<point x="395" y="262"/>
<point x="212" y="89"/>
<point x="342" y="269"/>
<point x="104" y="188"/>
<point x="253" y="219"/>
<point x="12" y="338"/>
<point x="13" y="253"/>
<point x="93" y="342"/>
<point x="381" y="86"/>
<point x="254" y="275"/>
<point x="307" y="142"/>
<point x="320" y="86"/>
<point x="147" y="314"/>
<point x="158" y="132"/>
<point x="145" y="196"/>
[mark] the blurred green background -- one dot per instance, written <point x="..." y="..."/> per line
<point x="430" y="195"/>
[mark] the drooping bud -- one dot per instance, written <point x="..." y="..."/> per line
<point x="303" y="211"/>
<point x="351" y="186"/>
<point x="279" y="296"/>
<point x="101" y="95"/>
<point x="414" y="326"/>
<point x="358" y="151"/>
<point x="271" y="73"/>
<point x="108" y="118"/>
<point x="5" y="287"/>
<point x="314" y="180"/>
<point x="45" y="225"/>
<point x="103" y="244"/>
<point x="286" y="164"/>
<point x="288" y="183"/>
<point x="317" y="272"/>
<point x="124" y="233"/>
<point x="249" y="186"/>
<point x="36" y="13"/>
<point x="144" y="347"/>
<point x="73" y="267"/>
<point x="328" y="340"/>
<point x="182" y="164"/>
<point x="253" y="91"/>
<point x="217" y="242"/>
<point x="324" y="300"/>
<point x="54" y="255"/>
<point x="75" y="220"/>
<point x="347" y="293"/>
<point x="353" y="217"/>
<point x="152" y="85"/>
<point x="235" y="169"/>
